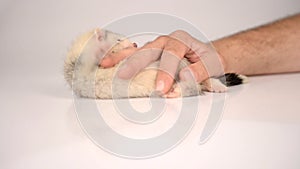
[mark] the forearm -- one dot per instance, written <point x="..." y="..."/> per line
<point x="273" y="48"/>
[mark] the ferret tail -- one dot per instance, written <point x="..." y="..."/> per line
<point x="232" y="79"/>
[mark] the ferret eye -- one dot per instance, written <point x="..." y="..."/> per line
<point x="119" y="40"/>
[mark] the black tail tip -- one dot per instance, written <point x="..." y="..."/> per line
<point x="232" y="79"/>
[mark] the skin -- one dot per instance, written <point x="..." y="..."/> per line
<point x="269" y="49"/>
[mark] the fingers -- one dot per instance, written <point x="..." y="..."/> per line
<point x="114" y="58"/>
<point x="212" y="62"/>
<point x="173" y="52"/>
<point x="194" y="72"/>
<point x="137" y="62"/>
<point x="164" y="82"/>
<point x="208" y="65"/>
<point x="177" y="46"/>
<point x="142" y="58"/>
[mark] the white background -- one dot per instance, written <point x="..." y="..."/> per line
<point x="38" y="126"/>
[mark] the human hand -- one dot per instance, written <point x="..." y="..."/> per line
<point x="205" y="61"/>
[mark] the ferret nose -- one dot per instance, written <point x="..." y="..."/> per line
<point x="135" y="45"/>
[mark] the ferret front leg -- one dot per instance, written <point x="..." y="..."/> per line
<point x="184" y="89"/>
<point x="213" y="85"/>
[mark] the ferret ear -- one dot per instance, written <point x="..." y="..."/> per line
<point x="99" y="34"/>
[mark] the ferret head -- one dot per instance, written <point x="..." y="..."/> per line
<point x="98" y="42"/>
<point x="103" y="42"/>
<point x="95" y="44"/>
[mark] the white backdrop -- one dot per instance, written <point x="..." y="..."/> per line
<point x="35" y="35"/>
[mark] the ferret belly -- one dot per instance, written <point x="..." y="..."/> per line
<point x="108" y="85"/>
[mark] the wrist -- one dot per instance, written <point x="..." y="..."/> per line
<point x="222" y="52"/>
<point x="223" y="63"/>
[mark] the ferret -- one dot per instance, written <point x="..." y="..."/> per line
<point x="87" y="79"/>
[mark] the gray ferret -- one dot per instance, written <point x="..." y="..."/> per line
<point x="87" y="79"/>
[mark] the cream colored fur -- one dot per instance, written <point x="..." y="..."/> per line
<point x="87" y="79"/>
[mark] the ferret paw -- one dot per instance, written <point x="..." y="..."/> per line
<point x="214" y="85"/>
<point x="174" y="92"/>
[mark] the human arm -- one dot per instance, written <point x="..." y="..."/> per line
<point x="272" y="48"/>
<point x="268" y="49"/>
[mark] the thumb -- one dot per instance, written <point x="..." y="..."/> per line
<point x="194" y="72"/>
<point x="113" y="58"/>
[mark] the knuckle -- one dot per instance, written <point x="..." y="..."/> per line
<point x="183" y="37"/>
<point x="162" y="38"/>
<point x="177" y="46"/>
<point x="179" y="33"/>
<point x="176" y="49"/>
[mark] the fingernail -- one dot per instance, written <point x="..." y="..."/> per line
<point x="187" y="75"/>
<point x="160" y="86"/>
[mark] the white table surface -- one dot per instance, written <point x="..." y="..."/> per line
<point x="260" y="129"/>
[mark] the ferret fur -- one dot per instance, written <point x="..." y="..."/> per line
<point x="87" y="79"/>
